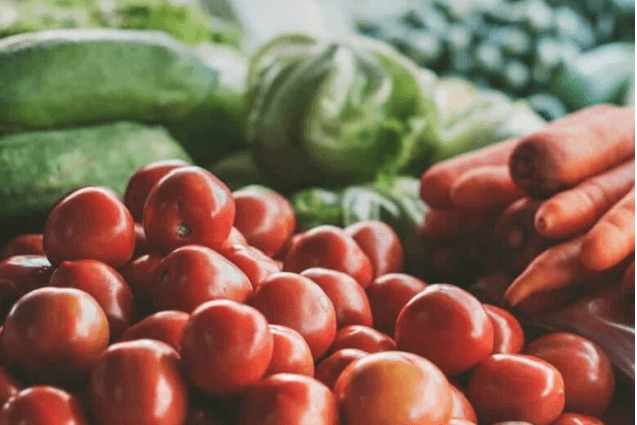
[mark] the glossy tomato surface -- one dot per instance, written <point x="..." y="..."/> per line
<point x="388" y="294"/>
<point x="331" y="248"/>
<point x="103" y="283"/>
<point x="90" y="223"/>
<point x="20" y="274"/>
<point x="194" y="274"/>
<point x="144" y="179"/>
<point x="267" y="220"/>
<point x="380" y="243"/>
<point x="165" y="326"/>
<point x="55" y="335"/>
<point x="251" y="261"/>
<point x="140" y="275"/>
<point x="516" y="387"/>
<point x="577" y="419"/>
<point x="226" y="347"/>
<point x="139" y="382"/>
<point x="349" y="298"/>
<point x="589" y="380"/>
<point x="289" y="399"/>
<point x="290" y="354"/>
<point x="446" y="325"/>
<point x="508" y="336"/>
<point x="393" y="387"/>
<point x="26" y="244"/>
<point x="329" y="369"/>
<point x="295" y="301"/>
<point x="189" y="205"/>
<point x="462" y="408"/>
<point x="9" y="386"/>
<point x="43" y="405"/>
<point x="363" y="338"/>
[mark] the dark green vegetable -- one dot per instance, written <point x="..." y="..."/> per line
<point x="316" y="206"/>
<point x="238" y="170"/>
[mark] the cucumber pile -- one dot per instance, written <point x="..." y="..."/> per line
<point x="561" y="55"/>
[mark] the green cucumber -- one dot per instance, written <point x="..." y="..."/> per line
<point x="39" y="167"/>
<point x="59" y="78"/>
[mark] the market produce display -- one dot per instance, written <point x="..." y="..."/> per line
<point x="324" y="328"/>
<point x="559" y="55"/>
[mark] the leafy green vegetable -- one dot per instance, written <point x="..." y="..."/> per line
<point x="317" y="206"/>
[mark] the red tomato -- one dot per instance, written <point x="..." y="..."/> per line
<point x="139" y="382"/>
<point x="589" y="380"/>
<point x="104" y="284"/>
<point x="55" y="335"/>
<point x="388" y="294"/>
<point x="91" y="222"/>
<point x="508" y="336"/>
<point x="576" y="419"/>
<point x="363" y="338"/>
<point x="446" y="325"/>
<point x="164" y="326"/>
<point x="201" y="416"/>
<point x="461" y="408"/>
<point x="253" y="262"/>
<point x="267" y="220"/>
<point x="516" y="387"/>
<point x="513" y="423"/>
<point x="9" y="387"/>
<point x="192" y="275"/>
<point x="393" y="387"/>
<point x="226" y="347"/>
<point x="292" y="300"/>
<point x="20" y="274"/>
<point x="289" y="399"/>
<point x="235" y="238"/>
<point x="27" y="244"/>
<point x="43" y="405"/>
<point x="381" y="245"/>
<point x="330" y="368"/>
<point x="142" y="246"/>
<point x="189" y="205"/>
<point x="139" y="275"/>
<point x="329" y="247"/>
<point x="349" y="298"/>
<point x="291" y="353"/>
<point x="459" y="421"/>
<point x="144" y="179"/>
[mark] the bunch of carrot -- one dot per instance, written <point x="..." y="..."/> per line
<point x="556" y="208"/>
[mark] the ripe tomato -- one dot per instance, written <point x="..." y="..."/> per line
<point x="329" y="369"/>
<point x="329" y="247"/>
<point x="226" y="347"/>
<point x="21" y="274"/>
<point x="139" y="382"/>
<point x="516" y="387"/>
<point x="55" y="335"/>
<point x="165" y="326"/>
<point x="104" y="284"/>
<point x="267" y="220"/>
<point x="393" y="387"/>
<point x="27" y="244"/>
<point x="292" y="300"/>
<point x="189" y="205"/>
<point x="253" y="262"/>
<point x="381" y="245"/>
<point x="459" y="421"/>
<point x="576" y="419"/>
<point x="589" y="380"/>
<point x="139" y="275"/>
<point x="363" y="338"/>
<point x="446" y="325"/>
<point x="291" y="353"/>
<point x="43" y="405"/>
<point x="144" y="179"/>
<point x="388" y="294"/>
<point x="461" y="408"/>
<point x="349" y="298"/>
<point x="235" y="238"/>
<point x="508" y="336"/>
<point x="289" y="399"/>
<point x="9" y="387"/>
<point x="142" y="246"/>
<point x="92" y="223"/>
<point x="192" y="275"/>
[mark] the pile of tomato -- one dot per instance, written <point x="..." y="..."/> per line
<point x="186" y="303"/>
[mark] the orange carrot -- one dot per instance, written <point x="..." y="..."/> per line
<point x="576" y="210"/>
<point x="612" y="238"/>
<point x="485" y="187"/>
<point x="562" y="155"/>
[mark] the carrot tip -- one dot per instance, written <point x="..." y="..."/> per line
<point x="541" y="224"/>
<point x="515" y="294"/>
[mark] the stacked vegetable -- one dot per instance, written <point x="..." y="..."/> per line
<point x="186" y="303"/>
<point x="560" y="55"/>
